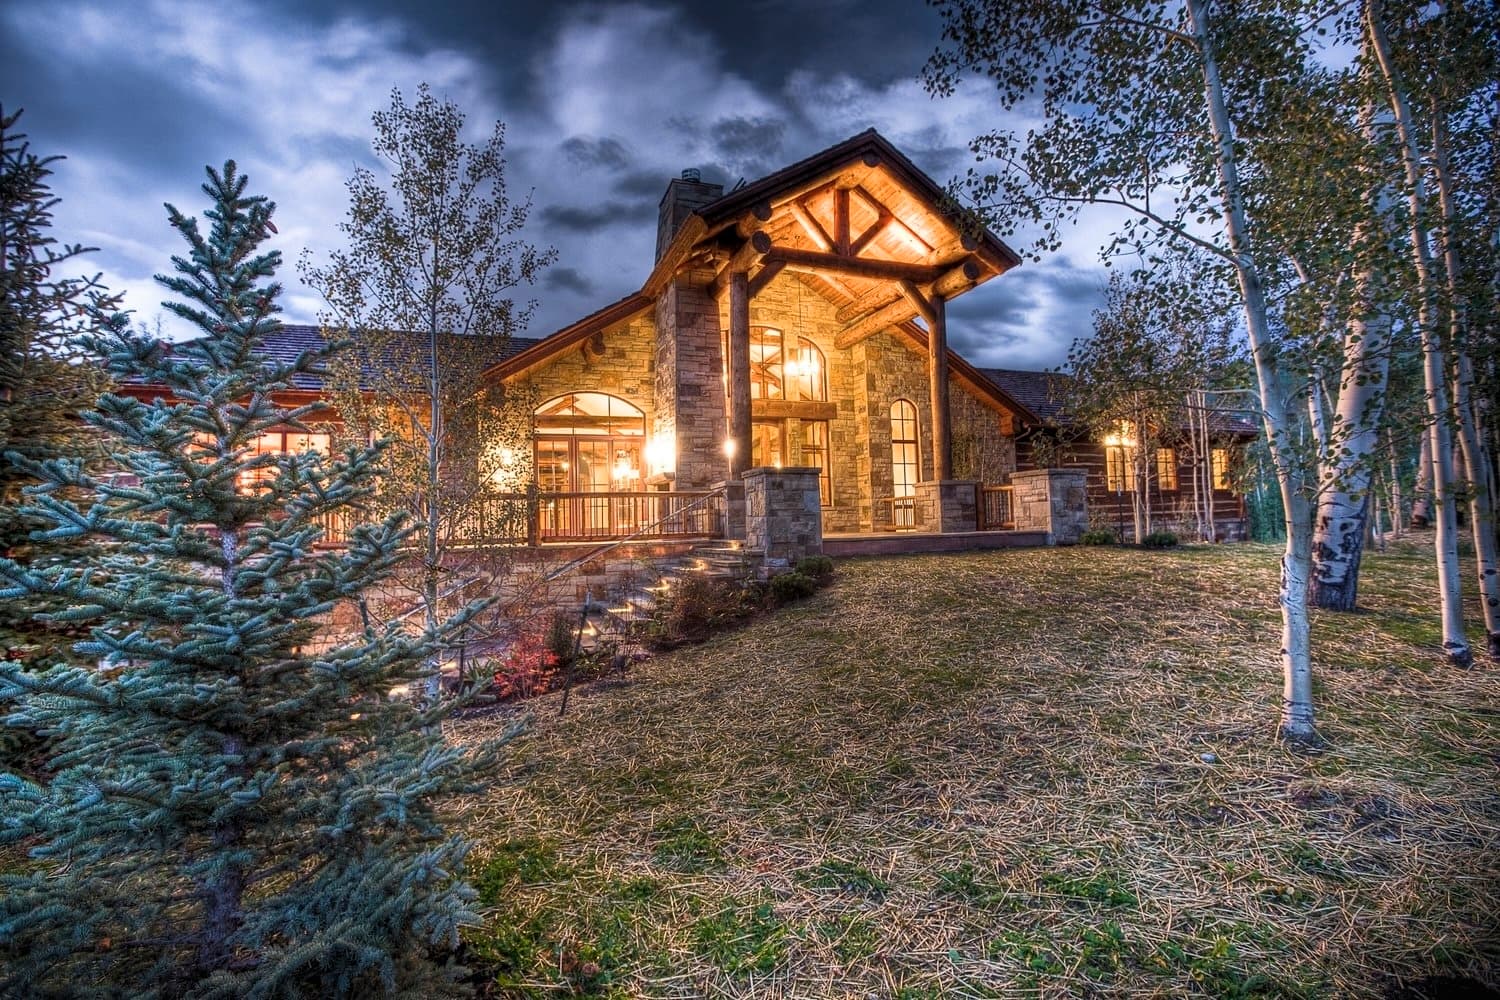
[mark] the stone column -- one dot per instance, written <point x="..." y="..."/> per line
<point x="734" y="507"/>
<point x="783" y="515"/>
<point x="1052" y="500"/>
<point x="948" y="506"/>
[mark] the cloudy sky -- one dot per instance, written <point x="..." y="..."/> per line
<point x="603" y="103"/>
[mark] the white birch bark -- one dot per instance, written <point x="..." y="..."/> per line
<point x="1455" y="644"/>
<point x="1297" y="715"/>
<point x="1348" y="458"/>
<point x="1475" y="455"/>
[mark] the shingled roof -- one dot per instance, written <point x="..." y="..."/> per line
<point x="1045" y="394"/>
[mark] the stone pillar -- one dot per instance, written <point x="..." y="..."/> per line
<point x="734" y="508"/>
<point x="783" y="515"/>
<point x="1052" y="500"/>
<point x="689" y="395"/>
<point x="948" y="506"/>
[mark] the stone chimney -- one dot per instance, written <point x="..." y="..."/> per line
<point x="684" y="196"/>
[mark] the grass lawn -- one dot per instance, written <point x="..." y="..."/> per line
<point x="1043" y="772"/>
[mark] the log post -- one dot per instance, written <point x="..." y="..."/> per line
<point x="937" y="377"/>
<point x="739" y="373"/>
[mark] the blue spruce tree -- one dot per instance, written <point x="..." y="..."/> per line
<point x="227" y="812"/>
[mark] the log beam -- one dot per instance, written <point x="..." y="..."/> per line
<point x="814" y="231"/>
<point x="876" y="228"/>
<point x="858" y="267"/>
<point x="878" y="297"/>
<point x="841" y="221"/>
<point x="898" y="311"/>
<point x="763" y="277"/>
<point x="752" y="221"/>
<point x="739" y="374"/>
<point x="958" y="280"/>
<point x="740" y="262"/>
<point x="937" y="381"/>
<point x="911" y="293"/>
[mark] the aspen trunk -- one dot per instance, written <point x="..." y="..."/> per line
<point x="1475" y="456"/>
<point x="1455" y="644"/>
<point x="1397" y="513"/>
<point x="1421" y="501"/>
<point x="1297" y="715"/>
<point x="1348" y="458"/>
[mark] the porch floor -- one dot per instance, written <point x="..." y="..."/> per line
<point x="886" y="543"/>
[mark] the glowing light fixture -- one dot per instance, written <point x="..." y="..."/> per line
<point x="729" y="447"/>
<point x="661" y="453"/>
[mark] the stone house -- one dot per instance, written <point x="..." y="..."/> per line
<point x="782" y="377"/>
<point x="795" y="325"/>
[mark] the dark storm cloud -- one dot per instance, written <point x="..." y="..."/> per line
<point x="646" y="184"/>
<point x="605" y="152"/>
<point x="589" y="218"/>
<point x="132" y="116"/>
<point x="567" y="279"/>
<point x="604" y="103"/>
<point x="758" y="138"/>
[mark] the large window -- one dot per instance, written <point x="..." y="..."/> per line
<point x="767" y="443"/>
<point x="589" y="442"/>
<point x="801" y="375"/>
<point x="1166" y="468"/>
<point x="278" y="443"/>
<point x="815" y="452"/>
<point x="1221" y="469"/>
<point x="905" y="463"/>
<point x="1116" y="468"/>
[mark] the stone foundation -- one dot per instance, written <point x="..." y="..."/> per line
<point x="783" y="517"/>
<point x="1054" y="501"/>
<point x="948" y="506"/>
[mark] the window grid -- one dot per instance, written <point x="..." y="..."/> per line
<point x="905" y="462"/>
<point x="1166" y="468"/>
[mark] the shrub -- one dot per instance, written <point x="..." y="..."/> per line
<point x="695" y="606"/>
<point x="1098" y="536"/>
<point x="528" y="669"/>
<point x="793" y="586"/>
<point x="1159" y="540"/>
<point x="817" y="567"/>
<point x="562" y="632"/>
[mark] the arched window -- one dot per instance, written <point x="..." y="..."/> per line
<point x="589" y="442"/>
<point x="905" y="463"/>
<point x="800" y="376"/>
<point x="589" y="413"/>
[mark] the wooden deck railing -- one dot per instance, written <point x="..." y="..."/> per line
<point x="574" y="517"/>
<point x="997" y="508"/>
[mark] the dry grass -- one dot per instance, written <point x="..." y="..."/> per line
<point x="1045" y="772"/>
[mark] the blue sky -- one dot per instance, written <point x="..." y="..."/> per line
<point x="604" y="103"/>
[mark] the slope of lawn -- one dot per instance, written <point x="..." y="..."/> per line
<point x="1012" y="773"/>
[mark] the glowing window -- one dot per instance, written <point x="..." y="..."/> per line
<point x="774" y="375"/>
<point x="592" y="413"/>
<point x="1221" y="469"/>
<point x="1166" y="468"/>
<point x="815" y="453"/>
<point x="1116" y="468"/>
<point x="905" y="462"/>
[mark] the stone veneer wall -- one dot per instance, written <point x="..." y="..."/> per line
<point x="679" y="382"/>
<point x="689" y="393"/>
<point x="894" y="369"/>
<point x="1052" y="500"/>
<point x="624" y="368"/>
